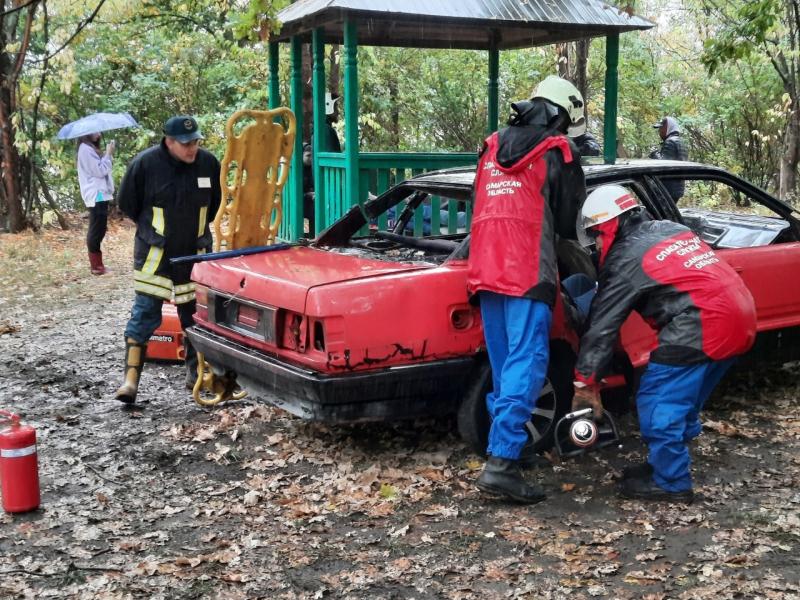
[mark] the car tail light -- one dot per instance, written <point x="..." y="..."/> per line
<point x="201" y="297"/>
<point x="293" y="330"/>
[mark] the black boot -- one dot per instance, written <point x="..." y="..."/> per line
<point x="502" y="476"/>
<point x="642" y="470"/>
<point x="647" y="489"/>
<point x="530" y="459"/>
<point x="191" y="364"/>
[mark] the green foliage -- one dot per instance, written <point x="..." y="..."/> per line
<point x="155" y="58"/>
<point x="257" y="20"/>
<point x="746" y="26"/>
<point x="152" y="59"/>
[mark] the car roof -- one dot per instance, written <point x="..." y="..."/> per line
<point x="464" y="176"/>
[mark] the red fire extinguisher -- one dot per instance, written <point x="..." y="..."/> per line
<point x="19" y="466"/>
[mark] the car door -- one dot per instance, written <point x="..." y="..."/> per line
<point x="756" y="234"/>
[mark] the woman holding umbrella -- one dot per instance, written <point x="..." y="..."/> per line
<point x="97" y="189"/>
<point x="94" y="173"/>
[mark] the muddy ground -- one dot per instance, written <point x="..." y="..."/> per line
<point x="170" y="500"/>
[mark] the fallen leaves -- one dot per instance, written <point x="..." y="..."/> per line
<point x="729" y="430"/>
<point x="244" y="501"/>
<point x="7" y="327"/>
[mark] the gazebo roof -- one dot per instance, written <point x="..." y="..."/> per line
<point x="467" y="24"/>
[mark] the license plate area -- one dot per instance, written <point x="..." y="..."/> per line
<point x="247" y="318"/>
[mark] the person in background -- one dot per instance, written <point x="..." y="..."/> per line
<point x="529" y="187"/>
<point x="97" y="190"/>
<point x="672" y="148"/>
<point x="587" y="144"/>
<point x="704" y="315"/>
<point x="172" y="192"/>
<point x="330" y="143"/>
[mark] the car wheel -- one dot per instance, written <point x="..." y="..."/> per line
<point x="554" y="402"/>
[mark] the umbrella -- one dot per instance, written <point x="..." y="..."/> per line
<point x="95" y="124"/>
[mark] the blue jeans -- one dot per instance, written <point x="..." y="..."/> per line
<point x="517" y="333"/>
<point x="146" y="317"/>
<point x="582" y="290"/>
<point x="669" y="402"/>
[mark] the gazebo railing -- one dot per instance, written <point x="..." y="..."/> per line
<point x="377" y="172"/>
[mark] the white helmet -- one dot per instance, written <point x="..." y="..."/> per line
<point x="562" y="93"/>
<point x="603" y="204"/>
<point x="330" y="103"/>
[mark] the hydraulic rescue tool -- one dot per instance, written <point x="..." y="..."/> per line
<point x="19" y="466"/>
<point x="576" y="433"/>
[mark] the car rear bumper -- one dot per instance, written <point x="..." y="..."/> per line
<point x="402" y="392"/>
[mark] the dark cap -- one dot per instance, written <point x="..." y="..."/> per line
<point x="183" y="128"/>
<point x="660" y="123"/>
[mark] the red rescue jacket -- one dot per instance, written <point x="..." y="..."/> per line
<point x="512" y="240"/>
<point x="700" y="307"/>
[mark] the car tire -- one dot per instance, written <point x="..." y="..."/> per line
<point x="473" y="418"/>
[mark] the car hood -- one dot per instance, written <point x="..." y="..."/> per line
<point x="283" y="278"/>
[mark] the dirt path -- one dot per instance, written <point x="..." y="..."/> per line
<point x="173" y="501"/>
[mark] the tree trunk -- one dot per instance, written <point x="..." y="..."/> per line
<point x="9" y="165"/>
<point x="573" y="63"/>
<point x="308" y="104"/>
<point x="333" y="69"/>
<point x="581" y="69"/>
<point x="791" y="155"/>
<point x="10" y="67"/>
<point x="394" y="118"/>
<point x="62" y="222"/>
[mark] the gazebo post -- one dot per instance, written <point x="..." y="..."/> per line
<point x="494" y="95"/>
<point x="296" y="104"/>
<point x="351" y="112"/>
<point x="274" y="87"/>
<point x="612" y="88"/>
<point x="318" y="95"/>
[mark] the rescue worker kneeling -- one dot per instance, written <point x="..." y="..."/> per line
<point x="704" y="315"/>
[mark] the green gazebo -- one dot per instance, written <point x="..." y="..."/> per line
<point x="343" y="178"/>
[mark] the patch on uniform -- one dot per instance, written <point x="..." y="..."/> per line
<point x="204" y="182"/>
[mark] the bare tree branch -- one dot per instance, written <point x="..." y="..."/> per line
<point x="23" y="49"/>
<point x="11" y="11"/>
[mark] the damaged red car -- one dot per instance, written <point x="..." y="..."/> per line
<point x="371" y="320"/>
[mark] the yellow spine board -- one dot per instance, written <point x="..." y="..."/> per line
<point x="252" y="175"/>
<point x="254" y="170"/>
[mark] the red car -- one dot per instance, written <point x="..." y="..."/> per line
<point x="368" y="323"/>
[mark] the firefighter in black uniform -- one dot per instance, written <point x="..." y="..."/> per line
<point x="172" y="192"/>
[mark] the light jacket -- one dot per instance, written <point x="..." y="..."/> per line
<point x="94" y="175"/>
<point x="172" y="203"/>
<point x="699" y="306"/>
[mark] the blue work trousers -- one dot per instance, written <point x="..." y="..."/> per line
<point x="669" y="402"/>
<point x="517" y="333"/>
<point x="146" y="317"/>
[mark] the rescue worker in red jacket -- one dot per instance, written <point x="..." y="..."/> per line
<point x="528" y="187"/>
<point x="704" y="316"/>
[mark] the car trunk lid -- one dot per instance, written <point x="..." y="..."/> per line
<point x="283" y="278"/>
